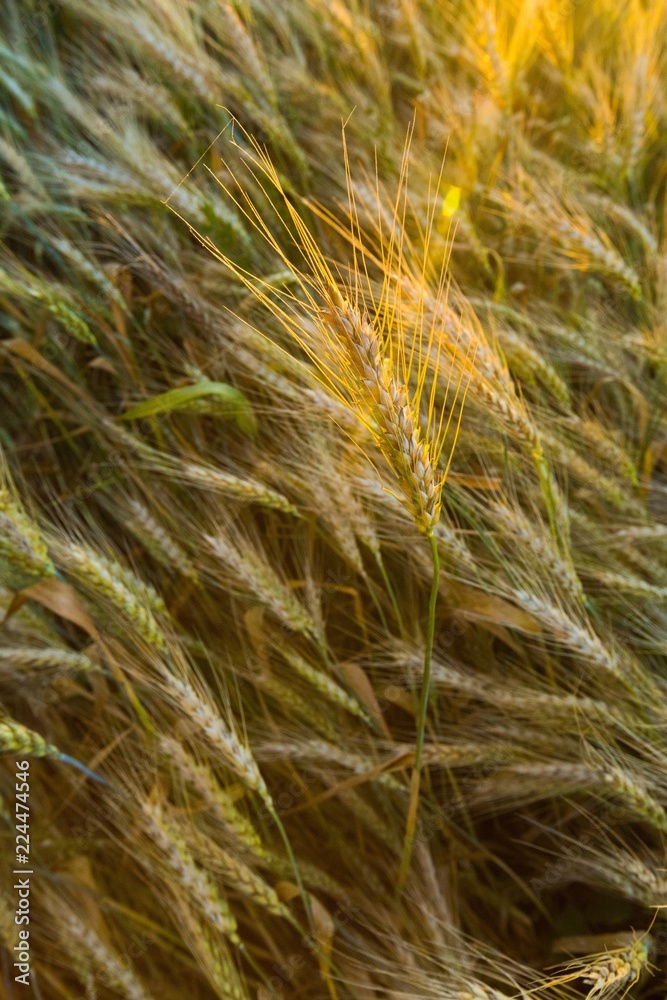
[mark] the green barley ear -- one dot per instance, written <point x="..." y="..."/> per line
<point x="24" y="557"/>
<point x="19" y="740"/>
<point x="108" y="580"/>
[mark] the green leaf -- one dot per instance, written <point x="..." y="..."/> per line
<point x="216" y="398"/>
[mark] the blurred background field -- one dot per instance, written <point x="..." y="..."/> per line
<point x="214" y="558"/>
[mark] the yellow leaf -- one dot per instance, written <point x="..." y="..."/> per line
<point x="451" y="202"/>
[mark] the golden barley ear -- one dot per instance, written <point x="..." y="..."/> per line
<point x="397" y="430"/>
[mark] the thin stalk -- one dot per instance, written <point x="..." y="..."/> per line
<point x="549" y="499"/>
<point x="391" y="594"/>
<point x="311" y="939"/>
<point x="376" y="602"/>
<point x="255" y="966"/>
<point x="295" y="868"/>
<point x="415" y="780"/>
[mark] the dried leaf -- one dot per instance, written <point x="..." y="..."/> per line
<point x="362" y="687"/>
<point x="473" y="604"/>
<point x="25" y="350"/>
<point x="58" y="597"/>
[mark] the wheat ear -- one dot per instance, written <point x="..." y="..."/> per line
<point x="24" y="659"/>
<point x="158" y="541"/>
<point x="220" y="802"/>
<point x="110" y="968"/>
<point x="240" y="759"/>
<point x="18" y="739"/>
<point x="240" y="877"/>
<point x="23" y="554"/>
<point x="135" y="599"/>
<point x="200" y="888"/>
<point x="408" y="452"/>
<point x="399" y="436"/>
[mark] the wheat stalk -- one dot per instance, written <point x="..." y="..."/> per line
<point x="412" y="457"/>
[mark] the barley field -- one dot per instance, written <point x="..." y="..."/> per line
<point x="333" y="499"/>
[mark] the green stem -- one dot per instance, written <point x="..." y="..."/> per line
<point x="255" y="966"/>
<point x="295" y="868"/>
<point x="415" y="780"/>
